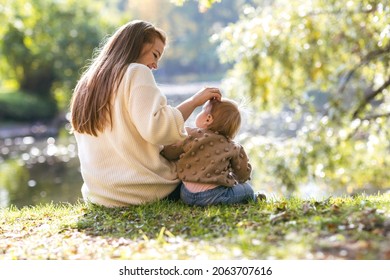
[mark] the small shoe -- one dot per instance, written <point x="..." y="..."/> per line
<point x="260" y="197"/>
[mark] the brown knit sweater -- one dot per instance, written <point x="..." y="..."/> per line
<point x="208" y="157"/>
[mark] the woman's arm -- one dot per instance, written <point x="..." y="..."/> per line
<point x="188" y="106"/>
<point x="156" y="121"/>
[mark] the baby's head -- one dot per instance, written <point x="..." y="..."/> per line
<point x="221" y="116"/>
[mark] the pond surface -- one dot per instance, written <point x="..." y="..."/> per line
<point x="34" y="171"/>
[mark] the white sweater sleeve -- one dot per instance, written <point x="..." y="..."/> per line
<point x="156" y="121"/>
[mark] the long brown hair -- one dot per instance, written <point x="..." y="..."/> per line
<point x="91" y="101"/>
<point x="226" y="117"/>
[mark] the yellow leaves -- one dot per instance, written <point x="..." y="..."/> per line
<point x="163" y="234"/>
<point x="316" y="72"/>
<point x="28" y="42"/>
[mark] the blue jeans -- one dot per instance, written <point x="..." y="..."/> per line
<point x="240" y="193"/>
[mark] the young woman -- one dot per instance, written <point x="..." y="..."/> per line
<point x="121" y="120"/>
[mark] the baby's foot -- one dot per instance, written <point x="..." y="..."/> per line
<point x="260" y="197"/>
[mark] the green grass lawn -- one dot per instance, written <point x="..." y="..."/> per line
<point x="335" y="228"/>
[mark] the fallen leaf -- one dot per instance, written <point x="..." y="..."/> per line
<point x="307" y="207"/>
<point x="283" y="216"/>
<point x="282" y="206"/>
<point x="335" y="208"/>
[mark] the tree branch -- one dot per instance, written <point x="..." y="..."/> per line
<point x="370" y="56"/>
<point x="340" y="12"/>
<point x="368" y="118"/>
<point x="370" y="97"/>
<point x="376" y="53"/>
<point x="372" y="117"/>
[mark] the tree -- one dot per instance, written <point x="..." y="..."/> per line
<point x="190" y="54"/>
<point x="290" y="55"/>
<point x="45" y="43"/>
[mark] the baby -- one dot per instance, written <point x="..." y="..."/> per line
<point x="213" y="168"/>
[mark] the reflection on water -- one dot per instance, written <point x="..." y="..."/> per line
<point x="34" y="171"/>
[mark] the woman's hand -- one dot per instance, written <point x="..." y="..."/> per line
<point x="206" y="94"/>
<point x="198" y="99"/>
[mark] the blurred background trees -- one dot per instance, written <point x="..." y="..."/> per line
<point x="46" y="43"/>
<point x="326" y="63"/>
<point x="190" y="56"/>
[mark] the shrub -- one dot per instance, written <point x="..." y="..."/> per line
<point x="21" y="106"/>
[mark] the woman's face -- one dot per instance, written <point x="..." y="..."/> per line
<point x="151" y="54"/>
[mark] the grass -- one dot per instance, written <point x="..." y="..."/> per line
<point x="336" y="228"/>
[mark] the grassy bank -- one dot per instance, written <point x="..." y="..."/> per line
<point x="19" y="106"/>
<point x="336" y="228"/>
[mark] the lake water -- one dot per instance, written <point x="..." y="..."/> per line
<point x="34" y="171"/>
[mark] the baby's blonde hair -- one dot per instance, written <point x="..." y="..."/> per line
<point x="226" y="117"/>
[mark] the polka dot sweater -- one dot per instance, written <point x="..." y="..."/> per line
<point x="209" y="157"/>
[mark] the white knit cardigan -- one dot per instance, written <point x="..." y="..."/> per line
<point x="122" y="165"/>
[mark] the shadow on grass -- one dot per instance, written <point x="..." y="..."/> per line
<point x="335" y="228"/>
<point x="138" y="222"/>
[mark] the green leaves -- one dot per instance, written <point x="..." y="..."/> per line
<point x="45" y="43"/>
<point x="301" y="45"/>
<point x="328" y="64"/>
